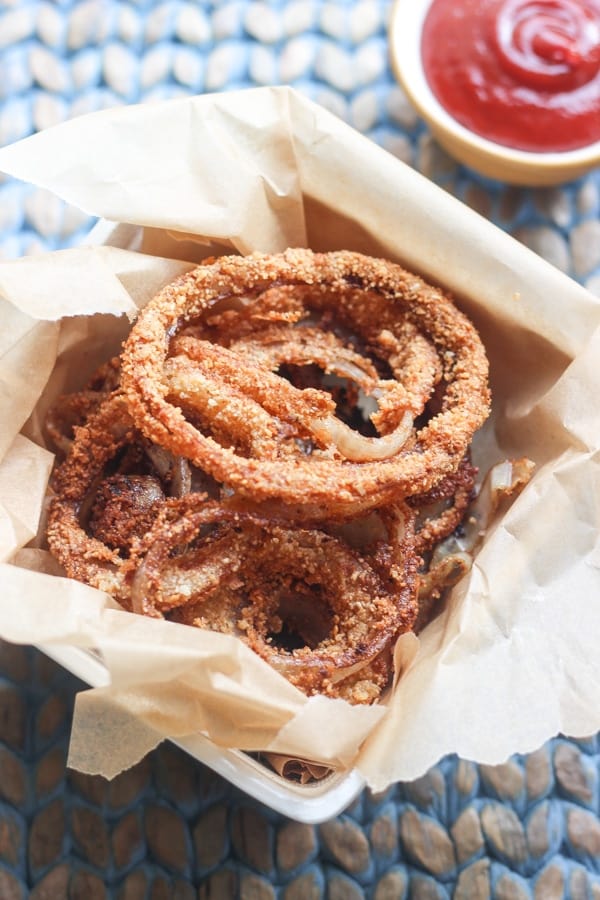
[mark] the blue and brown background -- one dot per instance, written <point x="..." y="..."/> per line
<point x="170" y="828"/>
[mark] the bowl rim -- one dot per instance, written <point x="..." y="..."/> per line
<point x="405" y="27"/>
<point x="311" y="803"/>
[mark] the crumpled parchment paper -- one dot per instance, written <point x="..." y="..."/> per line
<point x="513" y="659"/>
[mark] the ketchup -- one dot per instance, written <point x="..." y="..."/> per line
<point x="523" y="73"/>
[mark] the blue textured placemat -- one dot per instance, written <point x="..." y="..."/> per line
<point x="170" y="828"/>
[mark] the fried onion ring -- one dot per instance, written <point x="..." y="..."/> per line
<point x="84" y="557"/>
<point x="253" y="577"/>
<point x="441" y="510"/>
<point x="338" y="281"/>
<point x="70" y="410"/>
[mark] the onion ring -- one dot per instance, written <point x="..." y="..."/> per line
<point x="70" y="410"/>
<point x="251" y="573"/>
<point x="120" y="507"/>
<point x="442" y="509"/>
<point x="86" y="558"/>
<point x="336" y="279"/>
<point x="454" y="549"/>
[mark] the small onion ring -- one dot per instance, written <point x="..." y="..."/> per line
<point x="70" y="410"/>
<point x="304" y="346"/>
<point x="83" y="557"/>
<point x="65" y="414"/>
<point x="442" y="509"/>
<point x="108" y="431"/>
<point x="220" y="371"/>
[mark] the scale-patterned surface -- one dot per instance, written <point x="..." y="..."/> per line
<point x="170" y="828"/>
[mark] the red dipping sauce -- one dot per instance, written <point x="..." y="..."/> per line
<point x="523" y="73"/>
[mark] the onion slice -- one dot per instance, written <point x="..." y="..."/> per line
<point x="357" y="447"/>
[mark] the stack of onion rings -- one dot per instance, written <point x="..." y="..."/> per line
<point x="280" y="449"/>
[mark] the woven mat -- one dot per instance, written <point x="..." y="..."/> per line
<point x="170" y="828"/>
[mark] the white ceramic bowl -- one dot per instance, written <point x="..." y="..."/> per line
<point x="487" y="157"/>
<point x="311" y="803"/>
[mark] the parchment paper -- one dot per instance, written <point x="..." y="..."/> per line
<point x="513" y="659"/>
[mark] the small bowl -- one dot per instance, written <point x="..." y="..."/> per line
<point x="485" y="156"/>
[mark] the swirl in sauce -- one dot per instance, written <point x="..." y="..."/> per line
<point x="523" y="73"/>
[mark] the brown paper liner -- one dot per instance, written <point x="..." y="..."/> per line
<point x="513" y="658"/>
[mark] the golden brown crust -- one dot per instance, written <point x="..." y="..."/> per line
<point x="83" y="556"/>
<point x="212" y="479"/>
<point x="270" y="583"/>
<point x="326" y="279"/>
